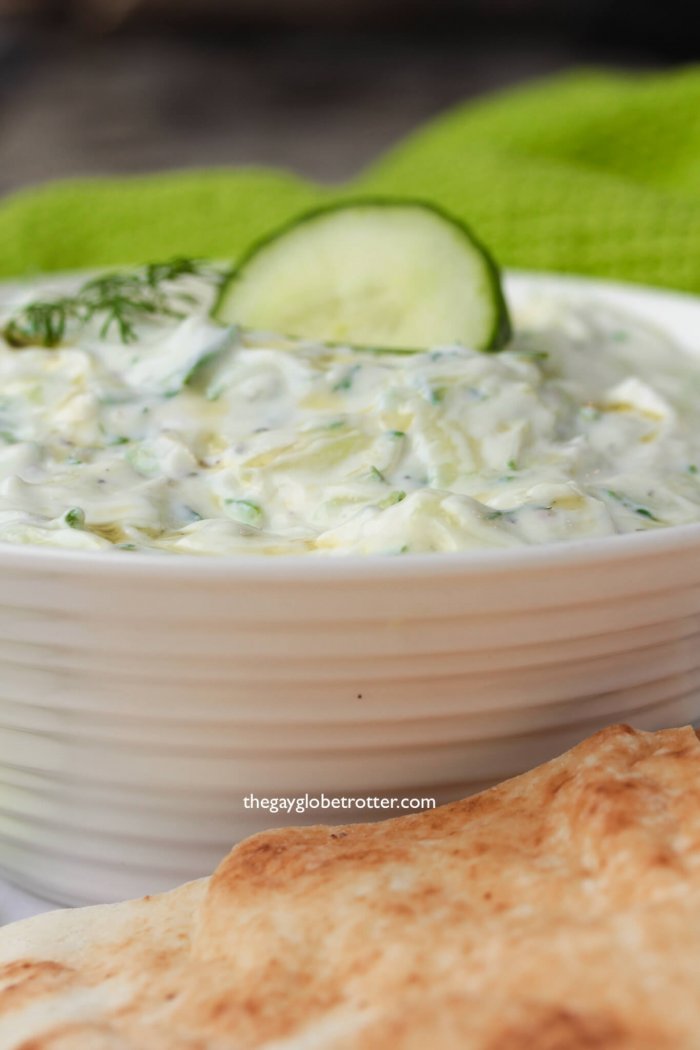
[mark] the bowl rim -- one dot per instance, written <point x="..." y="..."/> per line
<point x="620" y="547"/>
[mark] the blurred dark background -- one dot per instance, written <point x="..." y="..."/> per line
<point x="320" y="86"/>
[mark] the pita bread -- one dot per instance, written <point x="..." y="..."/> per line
<point x="557" y="911"/>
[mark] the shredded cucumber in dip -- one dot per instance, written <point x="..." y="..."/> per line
<point x="198" y="438"/>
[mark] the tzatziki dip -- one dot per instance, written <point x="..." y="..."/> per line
<point x="198" y="437"/>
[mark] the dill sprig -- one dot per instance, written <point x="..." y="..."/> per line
<point x="117" y="300"/>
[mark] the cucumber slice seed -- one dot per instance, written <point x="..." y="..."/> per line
<point x="379" y="274"/>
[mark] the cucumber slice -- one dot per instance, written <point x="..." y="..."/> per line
<point x="379" y="274"/>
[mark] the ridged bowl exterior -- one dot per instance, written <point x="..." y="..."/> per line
<point x="142" y="697"/>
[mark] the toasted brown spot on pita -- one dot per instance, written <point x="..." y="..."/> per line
<point x="559" y="1028"/>
<point x="23" y="980"/>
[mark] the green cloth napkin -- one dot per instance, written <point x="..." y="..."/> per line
<point x="588" y="173"/>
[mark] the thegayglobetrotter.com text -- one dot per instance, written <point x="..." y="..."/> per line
<point x="306" y="802"/>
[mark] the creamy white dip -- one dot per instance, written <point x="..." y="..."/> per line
<point x="197" y="439"/>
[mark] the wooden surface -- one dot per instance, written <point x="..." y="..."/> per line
<point x="322" y="104"/>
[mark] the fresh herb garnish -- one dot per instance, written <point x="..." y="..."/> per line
<point x="391" y="499"/>
<point x="535" y="355"/>
<point x="117" y="300"/>
<point x="75" y="518"/>
<point x="630" y="504"/>
<point x="347" y="380"/>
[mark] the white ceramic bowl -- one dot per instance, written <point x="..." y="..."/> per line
<point x="142" y="697"/>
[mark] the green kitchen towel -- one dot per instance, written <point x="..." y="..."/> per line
<point x="588" y="173"/>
